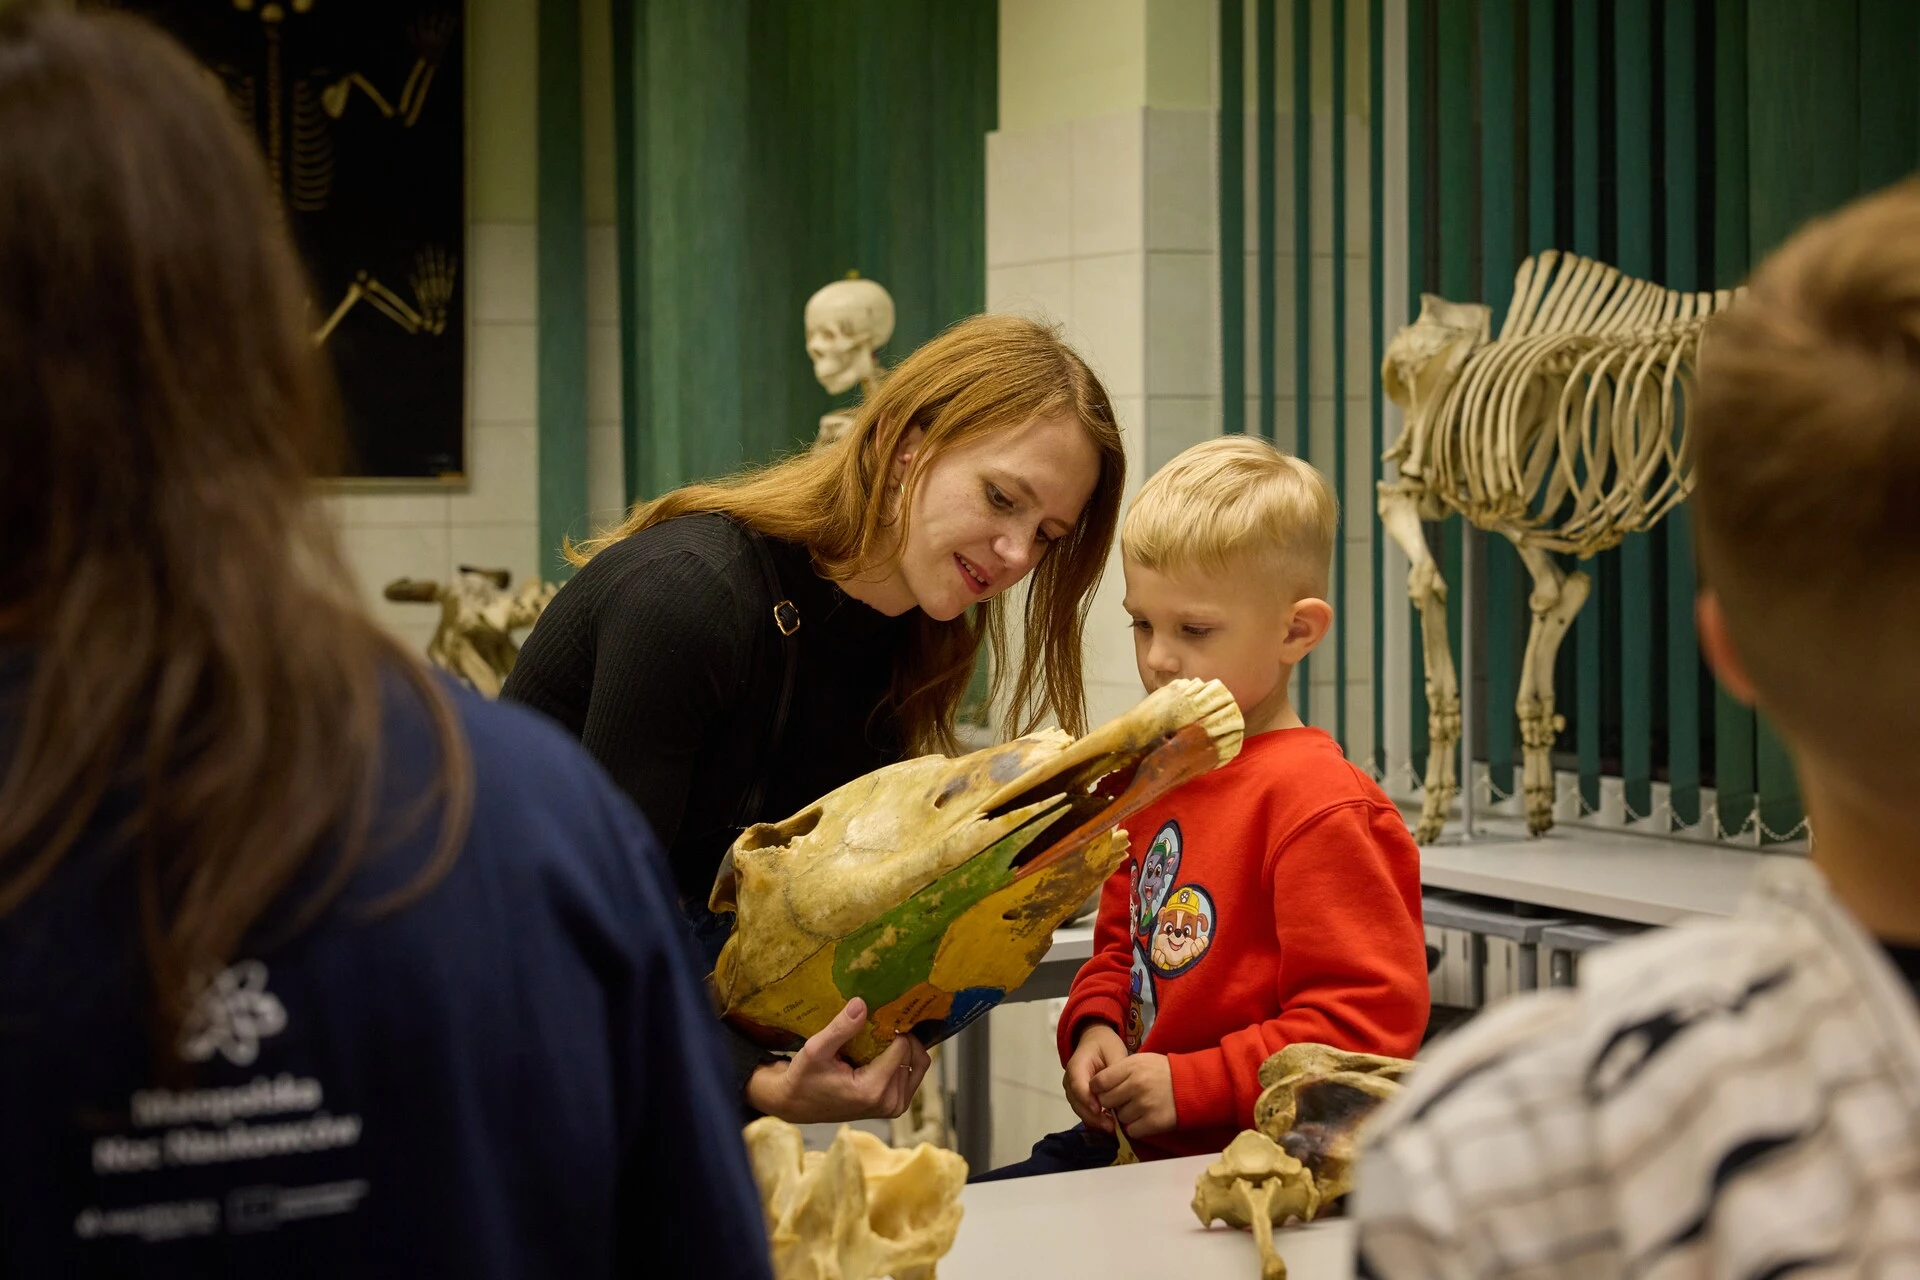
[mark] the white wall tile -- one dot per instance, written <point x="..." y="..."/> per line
<point x="390" y="510"/>
<point x="513" y="547"/>
<point x="1320" y="355"/>
<point x="1182" y="202"/>
<point x="603" y="372"/>
<point x="603" y="275"/>
<point x="1320" y="418"/>
<point x="1109" y="698"/>
<point x="503" y="478"/>
<point x="505" y="272"/>
<point x="606" y="481"/>
<point x="1362" y="372"/>
<point x="1320" y="183"/>
<point x="1042" y="290"/>
<point x="1029" y="194"/>
<point x="1108" y="318"/>
<point x="1359" y="206"/>
<point x="1130" y="413"/>
<point x="1285" y="410"/>
<point x="1176" y="423"/>
<point x="378" y="555"/>
<point x="1109" y="160"/>
<point x="1107" y="650"/>
<point x="503" y="362"/>
<point x="1181" y="347"/>
<point x="1285" y="375"/>
<point x="1357" y="501"/>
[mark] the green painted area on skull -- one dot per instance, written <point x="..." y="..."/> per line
<point x="883" y="960"/>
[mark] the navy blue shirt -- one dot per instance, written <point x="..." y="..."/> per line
<point x="516" y="1075"/>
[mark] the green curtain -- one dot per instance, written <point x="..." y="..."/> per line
<point x="764" y="150"/>
<point x="1625" y="129"/>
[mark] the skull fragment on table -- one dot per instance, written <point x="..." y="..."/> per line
<point x="1298" y="1159"/>
<point x="858" y="1210"/>
<point x="1313" y="1100"/>
<point x="1256" y="1185"/>
<point x="931" y="888"/>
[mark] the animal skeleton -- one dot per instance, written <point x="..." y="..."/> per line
<point x="1565" y="435"/>
<point x="474" y="640"/>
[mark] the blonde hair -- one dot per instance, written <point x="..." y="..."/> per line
<point x="1807" y="437"/>
<point x="985" y="374"/>
<point x="1232" y="499"/>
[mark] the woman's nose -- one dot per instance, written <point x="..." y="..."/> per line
<point x="1015" y="553"/>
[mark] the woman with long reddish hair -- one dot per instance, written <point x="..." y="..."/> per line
<point x="735" y="650"/>
<point x="308" y="964"/>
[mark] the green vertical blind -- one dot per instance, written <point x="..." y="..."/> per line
<point x="561" y="239"/>
<point x="765" y="150"/>
<point x="1624" y="129"/>
<point x="1300" y="154"/>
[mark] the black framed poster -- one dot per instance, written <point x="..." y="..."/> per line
<point x="359" y="108"/>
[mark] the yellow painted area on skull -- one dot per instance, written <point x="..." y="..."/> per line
<point x="801" y="1003"/>
<point x="1001" y="938"/>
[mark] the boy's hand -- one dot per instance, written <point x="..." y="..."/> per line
<point x="1099" y="1048"/>
<point x="1139" y="1093"/>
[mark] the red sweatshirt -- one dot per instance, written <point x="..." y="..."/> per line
<point x="1274" y="900"/>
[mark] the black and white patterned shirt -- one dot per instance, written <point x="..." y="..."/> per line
<point x="1737" y="1099"/>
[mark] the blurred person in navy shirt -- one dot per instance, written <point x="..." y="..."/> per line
<point x="309" y="964"/>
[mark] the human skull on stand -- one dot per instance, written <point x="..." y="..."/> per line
<point x="846" y="322"/>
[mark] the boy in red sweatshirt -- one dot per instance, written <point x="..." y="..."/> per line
<point x="1274" y="900"/>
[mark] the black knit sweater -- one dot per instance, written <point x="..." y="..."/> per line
<point x="662" y="656"/>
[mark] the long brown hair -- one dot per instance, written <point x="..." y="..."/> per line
<point x="982" y="375"/>
<point x="194" y="640"/>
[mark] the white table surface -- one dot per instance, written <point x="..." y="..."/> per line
<point x="1136" y="1220"/>
<point x="1622" y="877"/>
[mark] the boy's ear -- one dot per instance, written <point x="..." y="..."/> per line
<point x="1717" y="646"/>
<point x="1307" y="626"/>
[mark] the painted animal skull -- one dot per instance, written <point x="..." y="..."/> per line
<point x="857" y="1211"/>
<point x="847" y="321"/>
<point x="931" y="888"/>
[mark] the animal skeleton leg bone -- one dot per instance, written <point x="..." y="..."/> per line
<point x="1555" y="602"/>
<point x="1400" y="515"/>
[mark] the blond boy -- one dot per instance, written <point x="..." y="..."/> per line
<point x="1273" y="900"/>
<point x="1742" y="1097"/>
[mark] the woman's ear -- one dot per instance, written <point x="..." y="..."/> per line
<point x="904" y="452"/>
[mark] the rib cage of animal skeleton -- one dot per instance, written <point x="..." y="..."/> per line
<point x="1565" y="435"/>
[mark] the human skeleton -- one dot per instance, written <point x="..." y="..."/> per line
<point x="846" y="322"/>
<point x="1565" y="435"/>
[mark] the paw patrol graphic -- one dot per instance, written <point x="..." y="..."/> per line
<point x="1139" y="1003"/>
<point x="1157" y="872"/>
<point x="1182" y="932"/>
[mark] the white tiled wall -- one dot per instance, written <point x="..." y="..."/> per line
<point x="1107" y="227"/>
